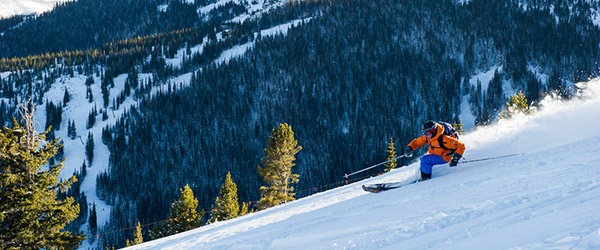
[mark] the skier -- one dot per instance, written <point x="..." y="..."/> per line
<point x="443" y="147"/>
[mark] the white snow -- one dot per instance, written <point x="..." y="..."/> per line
<point x="162" y="8"/>
<point x="77" y="110"/>
<point x="595" y="17"/>
<point x="240" y="50"/>
<point x="234" y="52"/>
<point x="205" y="9"/>
<point x="254" y="8"/>
<point x="177" y="60"/>
<point x="282" y="29"/>
<point x="484" y="77"/>
<point x="466" y="114"/>
<point x="546" y="198"/>
<point x="19" y="7"/>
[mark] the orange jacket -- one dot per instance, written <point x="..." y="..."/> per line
<point x="452" y="144"/>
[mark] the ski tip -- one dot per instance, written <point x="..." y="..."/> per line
<point x="370" y="189"/>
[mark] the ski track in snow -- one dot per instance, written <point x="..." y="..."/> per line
<point x="546" y="198"/>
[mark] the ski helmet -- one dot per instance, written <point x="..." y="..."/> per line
<point x="429" y="127"/>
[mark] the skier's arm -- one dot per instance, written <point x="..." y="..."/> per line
<point x="455" y="144"/>
<point x="418" y="142"/>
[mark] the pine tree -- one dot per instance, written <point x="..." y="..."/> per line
<point x="182" y="217"/>
<point x="89" y="81"/>
<point x="91" y="120"/>
<point x="137" y="236"/>
<point x="226" y="205"/>
<point x="391" y="154"/>
<point x="31" y="216"/>
<point x="459" y="127"/>
<point x="66" y="98"/>
<point x="105" y="93"/>
<point x="280" y="155"/>
<point x="89" y="95"/>
<point x="244" y="209"/>
<point x="71" y="130"/>
<point x="89" y="148"/>
<point x="516" y="104"/>
<point x="93" y="221"/>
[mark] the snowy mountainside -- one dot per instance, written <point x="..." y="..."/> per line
<point x="79" y="108"/>
<point x="545" y="198"/>
<point x="24" y="7"/>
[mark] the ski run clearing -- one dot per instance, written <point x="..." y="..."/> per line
<point x="546" y="198"/>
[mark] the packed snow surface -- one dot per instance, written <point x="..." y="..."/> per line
<point x="548" y="197"/>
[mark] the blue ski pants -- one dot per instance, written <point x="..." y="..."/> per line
<point x="428" y="161"/>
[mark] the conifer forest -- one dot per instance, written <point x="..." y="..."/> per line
<point x="350" y="76"/>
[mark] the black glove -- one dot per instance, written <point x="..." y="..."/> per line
<point x="455" y="159"/>
<point x="408" y="152"/>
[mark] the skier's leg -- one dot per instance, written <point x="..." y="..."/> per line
<point x="427" y="163"/>
<point x="425" y="176"/>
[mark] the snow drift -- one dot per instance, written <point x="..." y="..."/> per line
<point x="546" y="198"/>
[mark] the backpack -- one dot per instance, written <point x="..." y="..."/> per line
<point x="449" y="130"/>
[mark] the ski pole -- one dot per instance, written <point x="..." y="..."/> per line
<point x="376" y="165"/>
<point x="491" y="158"/>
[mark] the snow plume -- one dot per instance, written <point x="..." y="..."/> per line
<point x="547" y="197"/>
<point x="556" y="122"/>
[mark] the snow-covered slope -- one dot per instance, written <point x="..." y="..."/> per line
<point x="79" y="107"/>
<point x="546" y="198"/>
<point x="20" y="7"/>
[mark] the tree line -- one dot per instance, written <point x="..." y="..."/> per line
<point x="347" y="81"/>
<point x="356" y="74"/>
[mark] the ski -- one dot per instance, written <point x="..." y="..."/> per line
<point x="376" y="188"/>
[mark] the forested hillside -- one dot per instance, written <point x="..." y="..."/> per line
<point x="90" y="23"/>
<point x="346" y="81"/>
<point x="352" y="75"/>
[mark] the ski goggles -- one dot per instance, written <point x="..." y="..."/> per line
<point x="429" y="131"/>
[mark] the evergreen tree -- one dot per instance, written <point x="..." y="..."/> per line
<point x="182" y="217"/>
<point x="516" y="104"/>
<point x="93" y="220"/>
<point x="66" y="98"/>
<point x="391" y="154"/>
<point x="459" y="127"/>
<point x="89" y="95"/>
<point x="89" y="148"/>
<point x="105" y="85"/>
<point x="244" y="209"/>
<point x="556" y="84"/>
<point x="226" y="205"/>
<point x="89" y="81"/>
<point x="104" y="115"/>
<point x="71" y="130"/>
<point x="280" y="155"/>
<point x="137" y="236"/>
<point x="91" y="120"/>
<point x="31" y="216"/>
